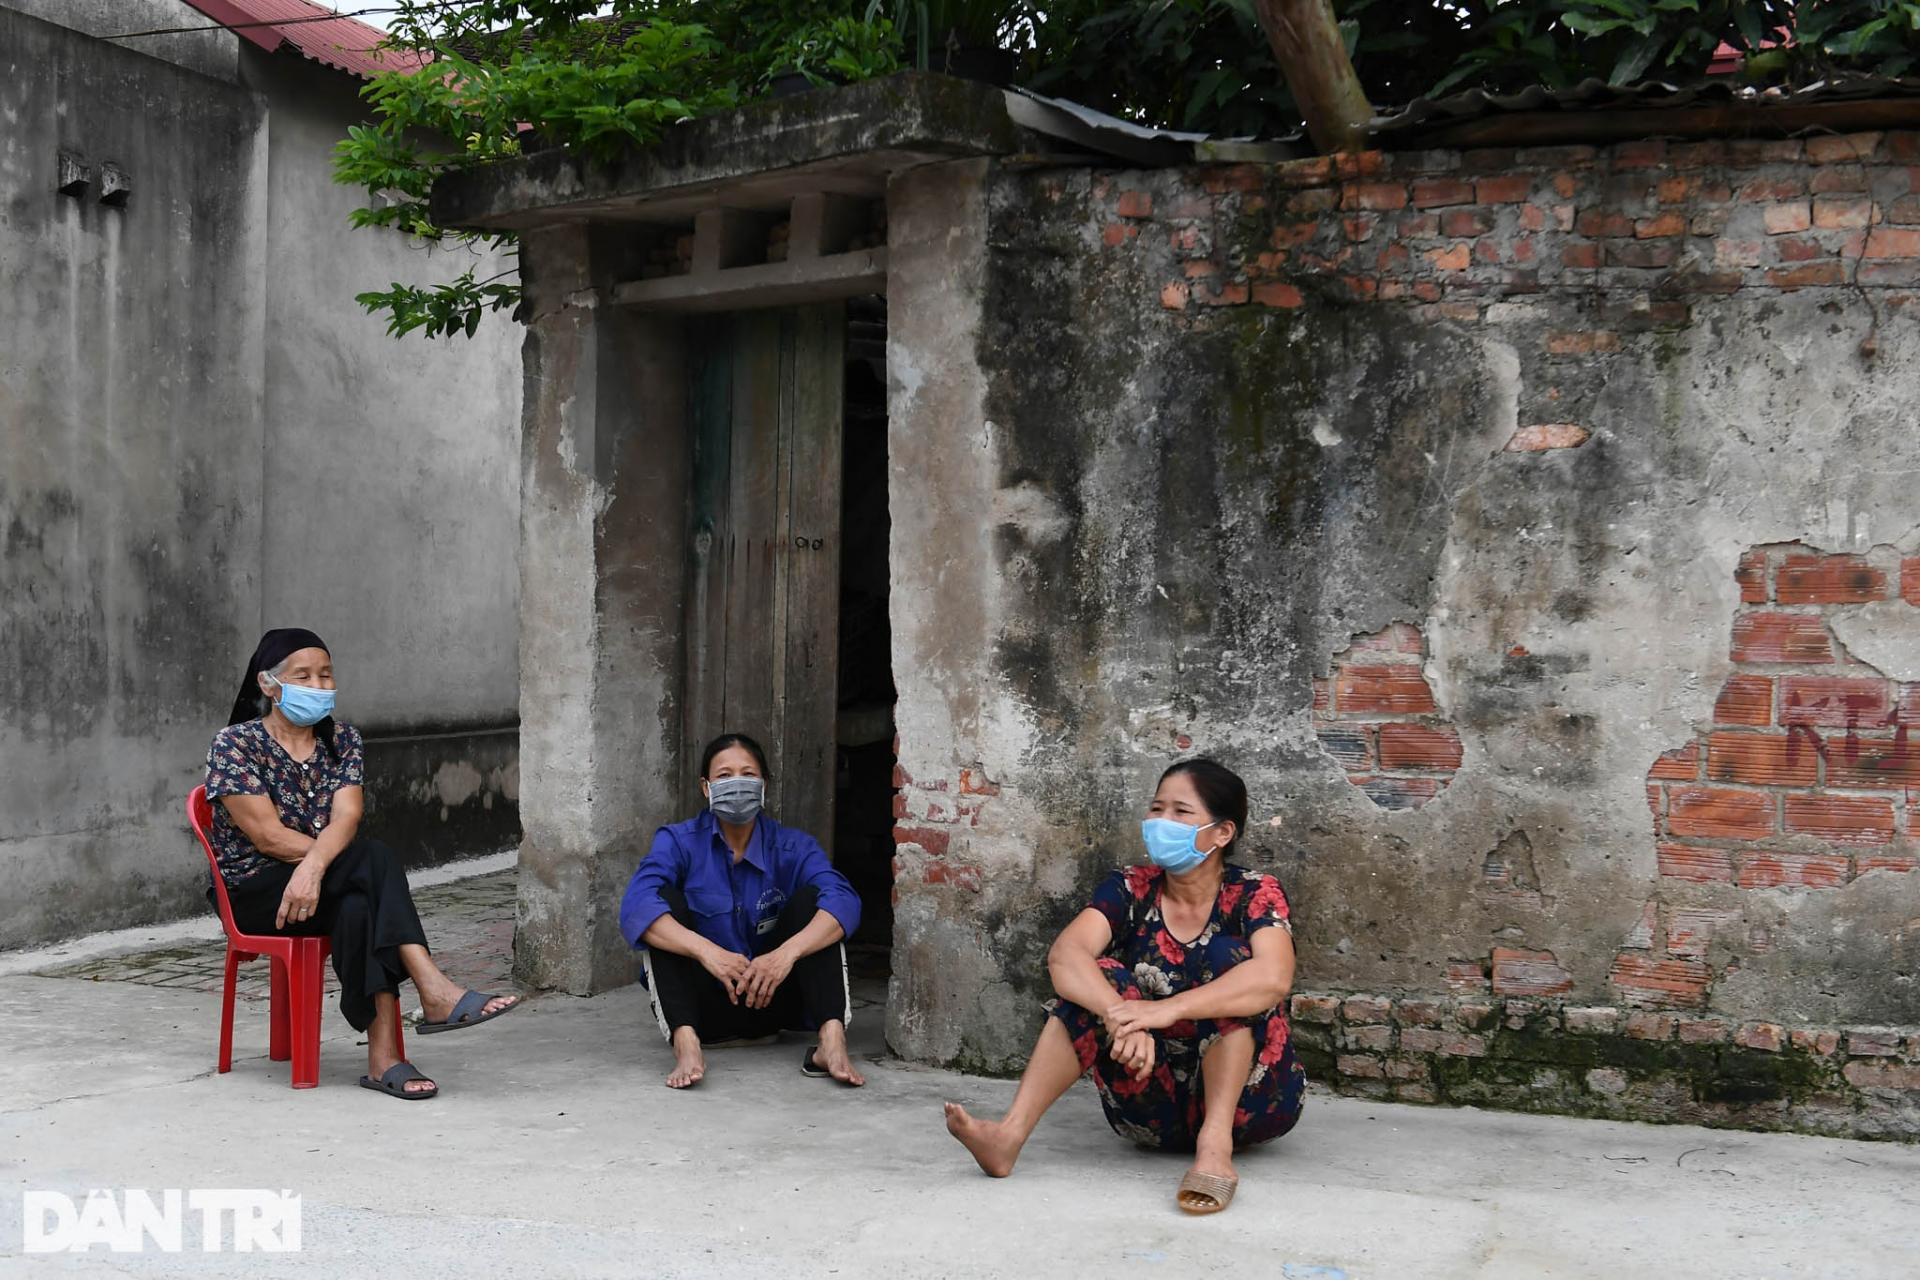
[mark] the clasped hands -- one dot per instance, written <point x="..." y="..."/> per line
<point x="752" y="980"/>
<point x="302" y="896"/>
<point x="1130" y="1027"/>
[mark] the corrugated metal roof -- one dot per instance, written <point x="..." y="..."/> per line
<point x="313" y="30"/>
<point x="1599" y="96"/>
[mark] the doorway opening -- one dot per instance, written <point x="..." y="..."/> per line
<point x="864" y="727"/>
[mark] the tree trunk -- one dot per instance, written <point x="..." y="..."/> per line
<point x="1313" y="57"/>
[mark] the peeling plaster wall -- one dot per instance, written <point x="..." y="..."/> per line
<point x="130" y="399"/>
<point x="203" y="434"/>
<point x="1206" y="476"/>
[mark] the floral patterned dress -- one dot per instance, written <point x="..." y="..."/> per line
<point x="1146" y="961"/>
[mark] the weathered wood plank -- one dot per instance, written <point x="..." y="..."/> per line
<point x="710" y="415"/>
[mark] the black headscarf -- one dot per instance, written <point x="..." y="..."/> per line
<point x="275" y="648"/>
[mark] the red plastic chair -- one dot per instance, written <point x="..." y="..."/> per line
<point x="297" y="983"/>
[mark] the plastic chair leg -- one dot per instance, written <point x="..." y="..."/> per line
<point x="226" y="1011"/>
<point x="309" y="990"/>
<point x="279" y="997"/>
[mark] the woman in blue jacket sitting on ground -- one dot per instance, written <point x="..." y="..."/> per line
<point x="741" y="920"/>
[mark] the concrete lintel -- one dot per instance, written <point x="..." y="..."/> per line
<point x="822" y="223"/>
<point x="767" y="284"/>
<point x="867" y="130"/>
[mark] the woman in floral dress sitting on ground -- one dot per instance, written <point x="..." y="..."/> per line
<point x="1172" y="989"/>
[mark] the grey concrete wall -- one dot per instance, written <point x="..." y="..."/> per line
<point x="130" y="399"/>
<point x="204" y="435"/>
<point x="605" y="465"/>
<point x="1195" y="502"/>
<point x="202" y="45"/>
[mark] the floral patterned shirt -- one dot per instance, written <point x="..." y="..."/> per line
<point x="245" y="761"/>
<point x="1161" y="964"/>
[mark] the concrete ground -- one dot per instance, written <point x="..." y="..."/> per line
<point x="554" y="1150"/>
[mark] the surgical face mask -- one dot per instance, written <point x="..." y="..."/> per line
<point x="1170" y="844"/>
<point x="302" y="705"/>
<point x="736" y="800"/>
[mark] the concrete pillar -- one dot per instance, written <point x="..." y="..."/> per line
<point x="604" y="467"/>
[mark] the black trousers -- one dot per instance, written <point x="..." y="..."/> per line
<point x="365" y="907"/>
<point x="686" y="995"/>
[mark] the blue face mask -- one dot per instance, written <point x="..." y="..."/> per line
<point x="1170" y="844"/>
<point x="302" y="705"/>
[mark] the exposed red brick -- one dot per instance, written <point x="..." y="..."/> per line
<point x="1201" y="269"/>
<point x="1649" y="1026"/>
<point x="1873" y="763"/>
<point x="1277" y="293"/>
<point x="1322" y="698"/>
<point x="1374" y="195"/>
<point x="1419" y="1013"/>
<point x="1780" y="637"/>
<point x="1357" y="1066"/>
<point x="1770" y="869"/>
<point x="1841" y="819"/>
<point x="1410" y="1069"/>
<point x="1904" y="212"/>
<point x="1135" y="204"/>
<point x="1910" y="580"/>
<point x="1784" y="218"/>
<point x="1315" y="1009"/>
<point x="1359" y="164"/>
<point x="1752" y="577"/>
<point x="1580" y="257"/>
<point x="1440" y="192"/>
<point x="1901" y="862"/>
<point x="1648" y="983"/>
<point x="1400" y="793"/>
<point x="1366" y="1009"/>
<point x="1528" y="973"/>
<point x="1454" y="258"/>
<point x="1394" y="690"/>
<point x="1511" y="189"/>
<point x="974" y="783"/>
<point x="1812" y="275"/>
<point x="1422" y="1040"/>
<point x="1602" y="223"/>
<point x="1466" y="222"/>
<point x="1649" y="154"/>
<point x="1289" y="234"/>
<point x="1533" y="218"/>
<point x="1833" y="148"/>
<point x="1823" y="1043"/>
<point x="1395" y="637"/>
<point x="1745" y="699"/>
<point x="1463" y="1047"/>
<point x="1882" y="1075"/>
<point x="1350" y="744"/>
<point x="1908" y="711"/>
<point x="1116" y="233"/>
<point x="1833" y="700"/>
<point x="1873" y="1042"/>
<point x="1465" y="977"/>
<point x="1719" y="813"/>
<point x="1679" y="765"/>
<point x="1766" y="1036"/>
<point x="1577" y="343"/>
<point x="1225" y="295"/>
<point x="1833" y="212"/>
<point x="1893" y="242"/>
<point x="1838" y="178"/>
<point x="1773" y="189"/>
<point x="1666" y="224"/>
<point x="1368" y="1038"/>
<point x="1703" y="1031"/>
<point x="1541" y="436"/>
<point x="942" y="872"/>
<point x="1756" y="151"/>
<point x="1737" y="253"/>
<point x="1412" y="746"/>
<point x="1813" y="579"/>
<point x="934" y="842"/>
<point x="1174" y="296"/>
<point x="1689" y="862"/>
<point x="1762" y="759"/>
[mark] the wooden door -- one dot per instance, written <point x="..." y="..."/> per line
<point x="763" y="608"/>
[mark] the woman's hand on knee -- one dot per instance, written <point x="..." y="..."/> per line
<point x="302" y="896"/>
<point x="1141" y="1015"/>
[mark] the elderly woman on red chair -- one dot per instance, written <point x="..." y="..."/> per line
<point x="287" y="782"/>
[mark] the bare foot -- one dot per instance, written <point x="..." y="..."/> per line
<point x="832" y="1054"/>
<point x="994" y="1148"/>
<point x="378" y="1064"/>
<point x="689" y="1063"/>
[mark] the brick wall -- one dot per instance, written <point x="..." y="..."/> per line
<point x="1377" y="716"/>
<point x="1454" y="233"/>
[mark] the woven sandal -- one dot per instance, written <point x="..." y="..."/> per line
<point x="1205" y="1192"/>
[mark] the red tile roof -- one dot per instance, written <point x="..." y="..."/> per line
<point x="313" y="30"/>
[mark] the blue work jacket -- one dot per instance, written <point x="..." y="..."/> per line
<point x="734" y="904"/>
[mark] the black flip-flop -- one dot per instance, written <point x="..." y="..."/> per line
<point x="810" y="1066"/>
<point x="468" y="1013"/>
<point x="395" y="1082"/>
